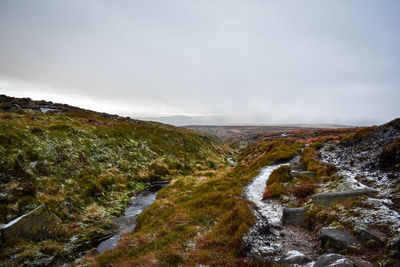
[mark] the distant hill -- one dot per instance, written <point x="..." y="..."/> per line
<point x="226" y="132"/>
<point x="182" y="120"/>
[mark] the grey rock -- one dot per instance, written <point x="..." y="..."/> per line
<point x="294" y="257"/>
<point x="332" y="259"/>
<point x="328" y="199"/>
<point x="337" y="239"/>
<point x="366" y="235"/>
<point x="303" y="174"/>
<point x="293" y="216"/>
<point x="37" y="224"/>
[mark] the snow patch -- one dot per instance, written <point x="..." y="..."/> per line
<point x="254" y="192"/>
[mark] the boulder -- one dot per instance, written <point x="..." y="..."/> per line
<point x="293" y="216"/>
<point x="333" y="259"/>
<point x="366" y="235"/>
<point x="328" y="199"/>
<point x="294" y="257"/>
<point x="37" y="224"/>
<point x="337" y="239"/>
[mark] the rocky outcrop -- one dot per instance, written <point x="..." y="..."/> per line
<point x="294" y="257"/>
<point x="334" y="239"/>
<point x="333" y="259"/>
<point x="37" y="224"/>
<point x="328" y="199"/>
<point x="293" y="216"/>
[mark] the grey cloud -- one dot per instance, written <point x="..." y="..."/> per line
<point x="258" y="61"/>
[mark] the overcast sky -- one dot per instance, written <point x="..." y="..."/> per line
<point x="262" y="61"/>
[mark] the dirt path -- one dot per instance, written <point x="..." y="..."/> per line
<point x="268" y="238"/>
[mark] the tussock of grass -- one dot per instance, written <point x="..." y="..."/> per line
<point x="281" y="174"/>
<point x="354" y="138"/>
<point x="304" y="189"/>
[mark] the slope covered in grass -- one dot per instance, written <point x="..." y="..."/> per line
<point x="84" y="166"/>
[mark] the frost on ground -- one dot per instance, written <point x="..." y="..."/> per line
<point x="254" y="191"/>
<point x="358" y="169"/>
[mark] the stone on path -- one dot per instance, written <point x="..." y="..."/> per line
<point x="337" y="239"/>
<point x="293" y="216"/>
<point x="333" y="260"/>
<point x="328" y="199"/>
<point x="294" y="257"/>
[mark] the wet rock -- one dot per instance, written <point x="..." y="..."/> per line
<point x="337" y="239"/>
<point x="328" y="199"/>
<point x="333" y="259"/>
<point x="304" y="174"/>
<point x="294" y="257"/>
<point x="366" y="235"/>
<point x="37" y="224"/>
<point x="293" y="216"/>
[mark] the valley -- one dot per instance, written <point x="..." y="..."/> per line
<point x="245" y="197"/>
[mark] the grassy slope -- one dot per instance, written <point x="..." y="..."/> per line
<point x="85" y="167"/>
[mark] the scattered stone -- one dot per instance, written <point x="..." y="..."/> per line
<point x="328" y="199"/>
<point x="333" y="259"/>
<point x="294" y="257"/>
<point x="293" y="216"/>
<point x="337" y="239"/>
<point x="37" y="224"/>
<point x="366" y="235"/>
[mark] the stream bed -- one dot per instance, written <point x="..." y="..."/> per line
<point x="127" y="222"/>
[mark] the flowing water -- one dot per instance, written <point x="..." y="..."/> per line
<point x="127" y="222"/>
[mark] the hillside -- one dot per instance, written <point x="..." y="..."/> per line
<point x="84" y="166"/>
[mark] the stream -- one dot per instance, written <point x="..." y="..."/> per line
<point x="127" y="222"/>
